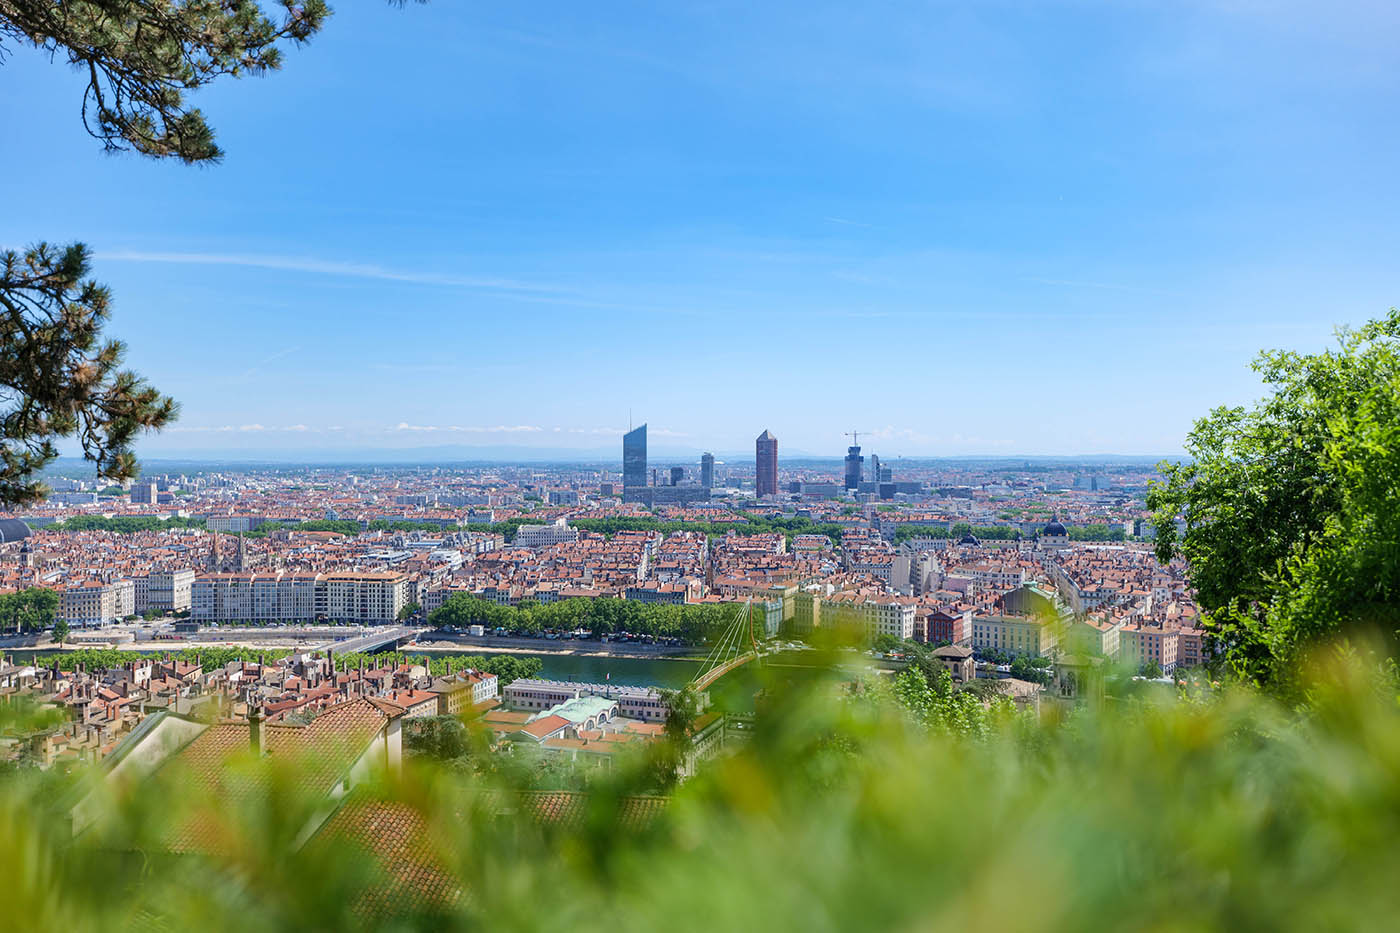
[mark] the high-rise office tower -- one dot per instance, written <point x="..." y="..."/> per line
<point x="677" y="474"/>
<point x="853" y="467"/>
<point x="875" y="467"/>
<point x="766" y="461"/>
<point x="707" y="470"/>
<point x="634" y="457"/>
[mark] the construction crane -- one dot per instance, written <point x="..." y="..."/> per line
<point x="855" y="436"/>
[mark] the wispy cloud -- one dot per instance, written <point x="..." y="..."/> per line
<point x="326" y="267"/>
<point x="457" y="428"/>
<point x="245" y="428"/>
<point x="253" y="370"/>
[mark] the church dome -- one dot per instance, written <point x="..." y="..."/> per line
<point x="1054" y="529"/>
<point x="12" y="529"/>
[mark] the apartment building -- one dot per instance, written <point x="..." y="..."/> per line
<point x="232" y="524"/>
<point x="463" y="690"/>
<point x="348" y="596"/>
<point x="164" y="591"/>
<point x="876" y="616"/>
<point x="1142" y="645"/>
<point x="534" y="536"/>
<point x="1018" y="635"/>
<point x="374" y="597"/>
<point x="1191" y="649"/>
<point x="944" y="626"/>
<point x="806" y="612"/>
<point x="94" y="602"/>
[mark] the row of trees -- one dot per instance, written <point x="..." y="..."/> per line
<point x="751" y="525"/>
<point x="29" y="610"/>
<point x="904" y="531"/>
<point x="692" y="624"/>
<point x="125" y="524"/>
<point x="507" y="667"/>
<point x="1096" y="532"/>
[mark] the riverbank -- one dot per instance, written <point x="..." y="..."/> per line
<point x="579" y="649"/>
<point x="537" y="648"/>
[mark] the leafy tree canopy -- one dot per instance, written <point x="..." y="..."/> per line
<point x="1292" y="530"/>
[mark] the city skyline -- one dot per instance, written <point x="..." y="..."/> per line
<point x="1019" y="219"/>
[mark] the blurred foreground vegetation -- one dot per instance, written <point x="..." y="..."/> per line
<point x="850" y="807"/>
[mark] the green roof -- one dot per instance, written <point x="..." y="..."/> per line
<point x="578" y="709"/>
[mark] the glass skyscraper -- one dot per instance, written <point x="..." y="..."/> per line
<point x="854" y="467"/>
<point x="634" y="457"/>
<point x="766" y="465"/>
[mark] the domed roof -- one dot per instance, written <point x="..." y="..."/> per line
<point x="1054" y="529"/>
<point x="971" y="539"/>
<point x="12" y="529"/>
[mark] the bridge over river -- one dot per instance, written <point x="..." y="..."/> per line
<point x="378" y="640"/>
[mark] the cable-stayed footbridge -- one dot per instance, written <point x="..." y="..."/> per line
<point x="735" y="647"/>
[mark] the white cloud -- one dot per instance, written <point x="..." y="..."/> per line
<point x="494" y="429"/>
<point x="324" y="267"/>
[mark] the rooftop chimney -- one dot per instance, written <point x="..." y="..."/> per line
<point x="255" y="730"/>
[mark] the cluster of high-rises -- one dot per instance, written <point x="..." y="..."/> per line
<point x="639" y="485"/>
<point x="643" y="487"/>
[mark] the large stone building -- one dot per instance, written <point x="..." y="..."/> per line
<point x="164" y="591"/>
<point x="94" y="602"/>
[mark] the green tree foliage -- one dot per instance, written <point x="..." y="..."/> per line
<point x="1292" y="530"/>
<point x="904" y="531"/>
<point x="1035" y="669"/>
<point x="407" y="611"/>
<point x="29" y="610"/>
<point x="60" y="631"/>
<point x="934" y="704"/>
<point x="1229" y="811"/>
<point x="125" y="524"/>
<point x="140" y="58"/>
<point x="506" y="667"/>
<point x="343" y="527"/>
<point x="750" y="525"/>
<point x="61" y="378"/>
<point x="887" y="643"/>
<point x="443" y="738"/>
<point x="1097" y="532"/>
<point x="692" y="624"/>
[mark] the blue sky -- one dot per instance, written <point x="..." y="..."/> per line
<point x="984" y="227"/>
